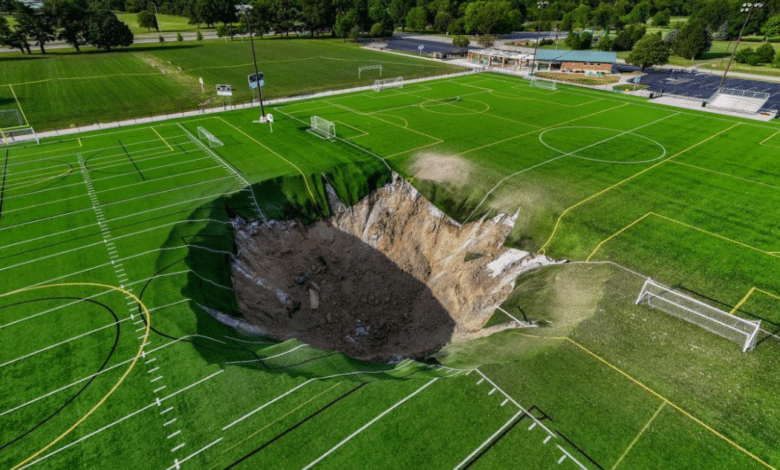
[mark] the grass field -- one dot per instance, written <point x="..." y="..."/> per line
<point x="116" y="244"/>
<point x="150" y="79"/>
<point x="167" y="24"/>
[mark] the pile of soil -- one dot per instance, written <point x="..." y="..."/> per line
<point x="389" y="277"/>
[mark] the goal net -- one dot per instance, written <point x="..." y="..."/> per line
<point x="323" y="128"/>
<point x="24" y="134"/>
<point x="203" y="134"/>
<point x="546" y="84"/>
<point x="11" y="118"/>
<point x="397" y="82"/>
<point x="739" y="330"/>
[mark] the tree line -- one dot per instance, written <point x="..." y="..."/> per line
<point x="76" y="22"/>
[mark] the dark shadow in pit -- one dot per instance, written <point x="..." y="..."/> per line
<point x="330" y="289"/>
<point x="210" y="249"/>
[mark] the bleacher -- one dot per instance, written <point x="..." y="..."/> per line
<point x="742" y="101"/>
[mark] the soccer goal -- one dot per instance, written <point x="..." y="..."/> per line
<point x="203" y="134"/>
<point x="744" y="332"/>
<point x="323" y="128"/>
<point x="11" y="118"/>
<point x="366" y="68"/>
<point x="24" y="134"/>
<point x="546" y="84"/>
<point x="397" y="82"/>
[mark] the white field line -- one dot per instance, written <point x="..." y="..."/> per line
<point x="582" y="467"/>
<point x="117" y="188"/>
<point x="175" y="466"/>
<point x="506" y="395"/>
<point x="563" y="155"/>
<point x="508" y="314"/>
<point x="59" y="188"/>
<point x="122" y="201"/>
<point x="81" y="150"/>
<point x="365" y="426"/>
<point x="487" y="441"/>
<point x="108" y="369"/>
<point x="134" y="214"/>
<point x="114" y="423"/>
<point x="269" y="357"/>
<point x="178" y="447"/>
<point x="119" y="237"/>
<point x="307" y="383"/>
<point x="34" y="174"/>
<point x="61" y="343"/>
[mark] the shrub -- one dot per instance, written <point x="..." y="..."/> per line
<point x="179" y="37"/>
<point x="199" y="36"/>
<point x="754" y="59"/>
<point x="743" y="55"/>
<point x="766" y="53"/>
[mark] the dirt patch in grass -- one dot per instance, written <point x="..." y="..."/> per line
<point x="441" y="168"/>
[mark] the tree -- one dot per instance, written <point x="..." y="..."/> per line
<point x="604" y="16"/>
<point x="772" y="26"/>
<point x="460" y="41"/>
<point x="765" y="53"/>
<point x="416" y="19"/>
<point x="723" y="32"/>
<point x="344" y="24"/>
<point x="486" y="41"/>
<point x="648" y="51"/>
<point x="105" y="31"/>
<point x="71" y="18"/>
<point x="147" y="19"/>
<point x="581" y="15"/>
<point x="693" y="40"/>
<point x="442" y="21"/>
<point x="226" y="30"/>
<point x="398" y="9"/>
<point x="284" y="15"/>
<point x="640" y="13"/>
<point x="36" y="25"/>
<point x="488" y="17"/>
<point x="662" y="18"/>
<point x="744" y="54"/>
<point x="586" y="39"/>
<point x="317" y="15"/>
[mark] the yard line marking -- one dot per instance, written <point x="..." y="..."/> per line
<point x="533" y="425"/>
<point x="567" y="454"/>
<point x="177" y="447"/>
<point x="597" y="194"/>
<point x="641" y="431"/>
<point x="492" y="391"/>
<point x="365" y="426"/>
<point x="546" y="439"/>
<point x="166" y="410"/>
<point x="150" y="360"/>
<point x="169" y="422"/>
<point x="152" y="370"/>
<point x="141" y="328"/>
<point x="489" y="440"/>
<point x="207" y="446"/>
<point x="481" y="380"/>
<point x="159" y="389"/>
<point x="174" y="434"/>
<point x="504" y="402"/>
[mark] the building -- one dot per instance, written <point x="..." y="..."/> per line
<point x="554" y="60"/>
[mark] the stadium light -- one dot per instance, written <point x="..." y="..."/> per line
<point x="748" y="8"/>
<point x="541" y="6"/>
<point x="243" y="8"/>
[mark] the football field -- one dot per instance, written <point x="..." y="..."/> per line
<point x="114" y="258"/>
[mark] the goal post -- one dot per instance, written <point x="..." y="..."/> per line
<point x="203" y="134"/>
<point x="742" y="331"/>
<point x="24" y="134"/>
<point x="546" y="84"/>
<point x="365" y="68"/>
<point x="397" y="82"/>
<point x="322" y="127"/>
<point x="12" y="119"/>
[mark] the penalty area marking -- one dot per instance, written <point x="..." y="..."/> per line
<point x="116" y="385"/>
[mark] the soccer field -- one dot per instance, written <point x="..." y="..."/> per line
<point x="115" y="261"/>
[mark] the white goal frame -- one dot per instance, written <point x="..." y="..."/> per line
<point x="739" y="330"/>
<point x="12" y="119"/>
<point x="203" y="134"/>
<point x="365" y="68"/>
<point x="23" y="134"/>
<point x="322" y="127"/>
<point x="397" y="82"/>
<point x="546" y="84"/>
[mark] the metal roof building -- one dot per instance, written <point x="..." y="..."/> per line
<point x="559" y="55"/>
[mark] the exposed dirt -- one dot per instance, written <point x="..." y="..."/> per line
<point x="441" y="168"/>
<point x="389" y="277"/>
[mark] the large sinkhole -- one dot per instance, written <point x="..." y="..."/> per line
<point x="387" y="278"/>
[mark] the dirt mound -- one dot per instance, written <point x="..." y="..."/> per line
<point x="389" y="277"/>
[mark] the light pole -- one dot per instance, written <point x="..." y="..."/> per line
<point x="541" y="6"/>
<point x="243" y="8"/>
<point x="748" y="8"/>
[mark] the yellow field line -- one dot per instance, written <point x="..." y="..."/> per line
<point x="80" y="144"/>
<point x="656" y="394"/>
<point x="642" y="431"/>
<point x="595" y="195"/>
<point x="615" y="235"/>
<point x="161" y="138"/>
<point x="121" y="379"/>
<point x="19" y="105"/>
<point x="762" y="142"/>
<point x="305" y="179"/>
<point x="728" y="175"/>
<point x="43" y="180"/>
<point x="741" y="302"/>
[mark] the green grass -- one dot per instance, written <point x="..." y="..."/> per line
<point x="683" y="196"/>
<point x="167" y="24"/>
<point x="64" y="89"/>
